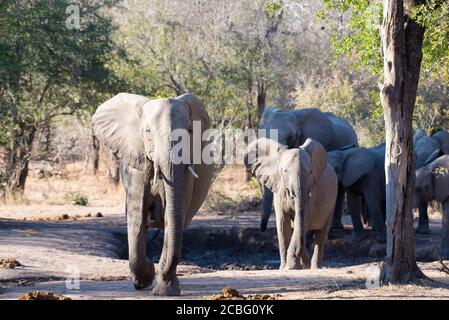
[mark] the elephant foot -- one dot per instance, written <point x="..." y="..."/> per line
<point x="145" y="280"/>
<point x="293" y="266"/>
<point x="167" y="288"/>
<point x="423" y="228"/>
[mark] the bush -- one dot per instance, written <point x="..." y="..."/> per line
<point x="76" y="198"/>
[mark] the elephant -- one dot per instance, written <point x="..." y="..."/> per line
<point x="305" y="191"/>
<point x="432" y="183"/>
<point x="425" y="148"/>
<point x="361" y="172"/>
<point x="159" y="192"/>
<point x="294" y="127"/>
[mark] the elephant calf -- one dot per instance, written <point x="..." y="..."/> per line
<point x="426" y="148"/>
<point x="361" y="172"/>
<point x="432" y="183"/>
<point x="305" y="191"/>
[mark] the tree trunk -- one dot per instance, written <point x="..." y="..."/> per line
<point x="261" y="98"/>
<point x="94" y="157"/>
<point x="249" y="120"/>
<point x="18" y="162"/>
<point x="402" y="40"/>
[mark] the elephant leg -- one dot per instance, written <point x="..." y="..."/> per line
<point x="318" y="246"/>
<point x="354" y="210"/>
<point x="284" y="231"/>
<point x="167" y="281"/>
<point x="373" y="203"/>
<point x="142" y="269"/>
<point x="337" y="224"/>
<point x="267" y="203"/>
<point x="297" y="255"/>
<point x="423" y="222"/>
<point x="445" y="231"/>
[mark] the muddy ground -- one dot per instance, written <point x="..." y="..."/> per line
<point x="219" y="251"/>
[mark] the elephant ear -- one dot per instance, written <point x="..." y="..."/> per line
<point x="197" y="110"/>
<point x="116" y="124"/>
<point x="440" y="174"/>
<point x="419" y="134"/>
<point x="316" y="125"/>
<point x="318" y="157"/>
<point x="443" y="138"/>
<point x="262" y="157"/>
<point x="204" y="171"/>
<point x="356" y="164"/>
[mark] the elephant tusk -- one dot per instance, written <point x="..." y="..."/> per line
<point x="156" y="173"/>
<point x="189" y="167"/>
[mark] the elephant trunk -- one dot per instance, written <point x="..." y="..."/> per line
<point x="267" y="203"/>
<point x="300" y="204"/>
<point x="174" y="176"/>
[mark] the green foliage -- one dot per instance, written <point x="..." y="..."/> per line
<point x="47" y="69"/>
<point x="76" y="198"/>
<point x="434" y="16"/>
<point x="359" y="37"/>
<point x="359" y="41"/>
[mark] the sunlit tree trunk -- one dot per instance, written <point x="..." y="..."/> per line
<point x="402" y="40"/>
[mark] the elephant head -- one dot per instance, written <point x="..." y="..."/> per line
<point x="432" y="181"/>
<point x="294" y="170"/>
<point x="138" y="130"/>
<point x="351" y="163"/>
<point x="294" y="127"/>
<point x="429" y="147"/>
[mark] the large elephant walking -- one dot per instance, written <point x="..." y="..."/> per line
<point x="427" y="148"/>
<point x="159" y="192"/>
<point x="294" y="127"/>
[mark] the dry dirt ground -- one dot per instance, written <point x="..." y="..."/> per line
<point x="222" y="248"/>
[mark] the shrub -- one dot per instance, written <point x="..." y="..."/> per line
<point x="76" y="198"/>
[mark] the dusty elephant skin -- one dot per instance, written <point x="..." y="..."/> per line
<point x="294" y="127"/>
<point x="159" y="193"/>
<point x="305" y="191"/>
<point x="432" y="183"/>
<point x="360" y="171"/>
<point x="426" y="149"/>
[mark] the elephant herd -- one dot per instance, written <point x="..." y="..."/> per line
<point x="310" y="169"/>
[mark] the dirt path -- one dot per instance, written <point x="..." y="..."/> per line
<point x="51" y="250"/>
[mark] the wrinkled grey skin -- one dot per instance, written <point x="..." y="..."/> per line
<point x="432" y="183"/>
<point x="361" y="172"/>
<point x="159" y="193"/>
<point x="425" y="148"/>
<point x="294" y="127"/>
<point x="305" y="191"/>
<point x="114" y="167"/>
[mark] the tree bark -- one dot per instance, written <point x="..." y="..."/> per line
<point x="94" y="157"/>
<point x="261" y="98"/>
<point x="18" y="162"/>
<point x="402" y="40"/>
